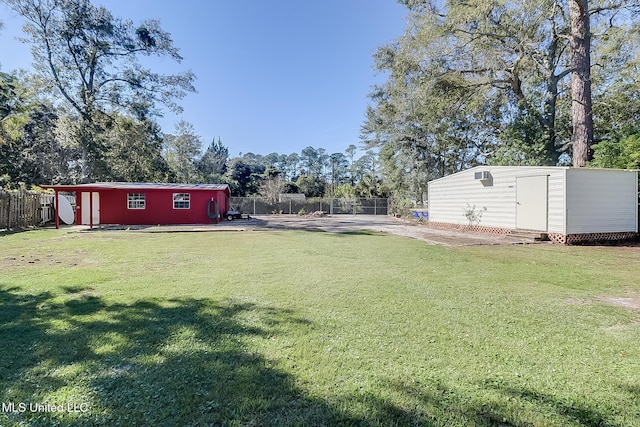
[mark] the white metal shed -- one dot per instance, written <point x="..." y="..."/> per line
<point x="568" y="204"/>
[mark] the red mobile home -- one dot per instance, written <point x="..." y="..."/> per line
<point x="147" y="203"/>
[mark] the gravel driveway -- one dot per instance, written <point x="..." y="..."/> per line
<point x="337" y="224"/>
<point x="386" y="224"/>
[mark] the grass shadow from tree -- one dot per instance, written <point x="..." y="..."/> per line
<point x="178" y="362"/>
<point x="187" y="362"/>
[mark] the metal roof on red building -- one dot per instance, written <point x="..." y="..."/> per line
<point x="136" y="186"/>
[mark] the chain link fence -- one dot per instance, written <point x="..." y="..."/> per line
<point x="330" y="206"/>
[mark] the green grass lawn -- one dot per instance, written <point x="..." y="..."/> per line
<point x="310" y="328"/>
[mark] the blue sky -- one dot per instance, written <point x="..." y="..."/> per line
<point x="272" y="76"/>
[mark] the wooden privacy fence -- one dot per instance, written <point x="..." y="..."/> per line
<point x="19" y="209"/>
<point x="26" y="208"/>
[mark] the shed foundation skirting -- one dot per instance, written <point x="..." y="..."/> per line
<point x="561" y="239"/>
<point x="474" y="228"/>
<point x="572" y="239"/>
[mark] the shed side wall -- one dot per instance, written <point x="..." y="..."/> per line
<point x="451" y="196"/>
<point x="557" y="201"/>
<point x="601" y="201"/>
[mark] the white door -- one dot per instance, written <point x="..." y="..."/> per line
<point x="87" y="206"/>
<point x="531" y="202"/>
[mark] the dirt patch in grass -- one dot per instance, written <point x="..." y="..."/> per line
<point x="631" y="301"/>
<point x="52" y="260"/>
<point x="19" y="260"/>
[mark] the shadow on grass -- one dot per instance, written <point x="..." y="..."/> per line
<point x="437" y="403"/>
<point x="177" y="362"/>
<point x="189" y="362"/>
<point x="570" y="410"/>
<point x="633" y="389"/>
<point x="11" y="231"/>
<point x="363" y="232"/>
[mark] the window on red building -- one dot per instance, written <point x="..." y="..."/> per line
<point x="135" y="200"/>
<point x="181" y="201"/>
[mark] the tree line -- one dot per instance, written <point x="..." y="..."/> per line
<point x="86" y="112"/>
<point x="528" y="82"/>
<point x="38" y="145"/>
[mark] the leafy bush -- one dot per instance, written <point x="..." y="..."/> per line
<point x="473" y="215"/>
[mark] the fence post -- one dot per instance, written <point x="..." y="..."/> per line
<point x="37" y="208"/>
<point x="42" y="208"/>
<point x="33" y="209"/>
<point x="9" y="210"/>
<point x="18" y="209"/>
<point x="21" y="209"/>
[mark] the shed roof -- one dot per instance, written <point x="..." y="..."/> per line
<point x="534" y="168"/>
<point x="138" y="186"/>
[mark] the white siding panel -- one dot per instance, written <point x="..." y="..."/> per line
<point x="601" y="201"/>
<point x="451" y="196"/>
<point x="557" y="201"/>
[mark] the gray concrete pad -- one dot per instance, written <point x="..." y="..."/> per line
<point x="335" y="224"/>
